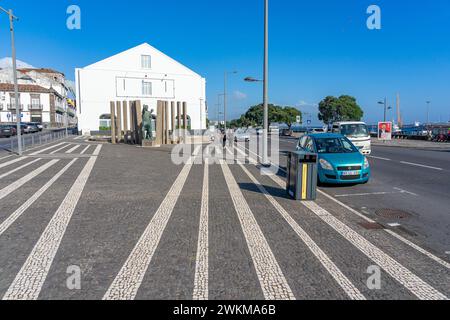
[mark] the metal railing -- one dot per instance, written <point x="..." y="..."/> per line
<point x="13" y="106"/>
<point x="31" y="141"/>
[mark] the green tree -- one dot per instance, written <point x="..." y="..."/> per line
<point x="255" y="116"/>
<point x="344" y="108"/>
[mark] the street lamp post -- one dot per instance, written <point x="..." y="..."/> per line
<point x="265" y="159"/>
<point x="385" y="108"/>
<point x="12" y="17"/>
<point x="428" y="113"/>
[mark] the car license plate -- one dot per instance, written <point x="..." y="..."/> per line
<point x="351" y="173"/>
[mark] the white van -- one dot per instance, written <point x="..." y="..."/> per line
<point x="357" y="133"/>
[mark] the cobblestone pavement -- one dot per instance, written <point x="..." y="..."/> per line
<point x="85" y="221"/>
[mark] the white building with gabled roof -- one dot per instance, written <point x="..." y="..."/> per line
<point x="141" y="73"/>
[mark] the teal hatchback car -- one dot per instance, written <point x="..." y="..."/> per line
<point x="340" y="162"/>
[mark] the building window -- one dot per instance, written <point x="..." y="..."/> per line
<point x="146" y="62"/>
<point x="146" y="88"/>
<point x="35" y="102"/>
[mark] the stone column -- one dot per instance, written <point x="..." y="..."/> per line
<point x="139" y="126"/>
<point x="185" y="118"/>
<point x="125" y="116"/>
<point x="172" y="115"/>
<point x="119" y="122"/>
<point x="179" y="121"/>
<point x="133" y="121"/>
<point x="167" y="122"/>
<point x="113" y="123"/>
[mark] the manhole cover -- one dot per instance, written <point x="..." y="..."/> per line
<point x="371" y="226"/>
<point x="393" y="214"/>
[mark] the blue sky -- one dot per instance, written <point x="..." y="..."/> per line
<point x="317" y="48"/>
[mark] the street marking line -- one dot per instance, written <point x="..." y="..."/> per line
<point x="202" y="263"/>
<point x="97" y="150"/>
<point x="399" y="237"/>
<point x="58" y="150"/>
<point x="18" y="169"/>
<point x="85" y="149"/>
<point x="405" y="277"/>
<point x="333" y="270"/>
<point x="46" y="149"/>
<point x="421" y="165"/>
<point x="423" y="251"/>
<point x="379" y="158"/>
<point x="12" y="162"/>
<point x="6" y="157"/>
<point x="19" y="183"/>
<point x="407" y="192"/>
<point x="271" y="278"/>
<point x="13" y="218"/>
<point x="127" y="283"/>
<point x="364" y="194"/>
<point x="29" y="281"/>
<point x="73" y="149"/>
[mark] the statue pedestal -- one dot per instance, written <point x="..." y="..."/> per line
<point x="150" y="144"/>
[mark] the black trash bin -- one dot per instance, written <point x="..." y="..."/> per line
<point x="302" y="175"/>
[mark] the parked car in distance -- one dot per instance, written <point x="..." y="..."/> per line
<point x="5" y="132"/>
<point x="241" y="135"/>
<point x="38" y="125"/>
<point x="340" y="162"/>
<point x="13" y="129"/>
<point x="286" y="132"/>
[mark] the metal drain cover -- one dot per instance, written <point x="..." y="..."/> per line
<point x="393" y="214"/>
<point x="371" y="226"/>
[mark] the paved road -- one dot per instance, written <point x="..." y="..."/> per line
<point x="410" y="180"/>
<point x="137" y="226"/>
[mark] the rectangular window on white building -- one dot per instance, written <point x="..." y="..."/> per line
<point x="146" y="62"/>
<point x="146" y="88"/>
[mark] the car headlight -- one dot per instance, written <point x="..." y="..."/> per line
<point x="366" y="163"/>
<point x="325" y="165"/>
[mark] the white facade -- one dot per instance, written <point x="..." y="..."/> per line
<point x="141" y="73"/>
<point x="40" y="84"/>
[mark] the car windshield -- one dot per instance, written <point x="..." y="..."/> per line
<point x="335" y="145"/>
<point x="354" y="130"/>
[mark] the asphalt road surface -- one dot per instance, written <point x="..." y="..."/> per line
<point x="85" y="221"/>
<point x="415" y="182"/>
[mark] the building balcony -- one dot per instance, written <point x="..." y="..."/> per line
<point x="13" y="106"/>
<point x="35" y="107"/>
<point x="60" y="110"/>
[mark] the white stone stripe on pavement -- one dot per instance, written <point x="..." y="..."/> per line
<point x="127" y="283"/>
<point x="29" y="281"/>
<point x="12" y="162"/>
<point x="405" y="241"/>
<point x="271" y="278"/>
<point x="97" y="150"/>
<point x="410" y="281"/>
<point x="6" y="157"/>
<point x="84" y="150"/>
<point x="17" y="184"/>
<point x="73" y="149"/>
<point x="16" y="215"/>
<point x="333" y="270"/>
<point x="202" y="263"/>
<point x="18" y="169"/>
<point x="46" y="149"/>
<point x="399" y="237"/>
<point x="59" y="149"/>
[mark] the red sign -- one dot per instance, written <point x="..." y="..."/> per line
<point x="385" y="131"/>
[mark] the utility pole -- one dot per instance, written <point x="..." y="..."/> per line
<point x="12" y="17"/>
<point x="265" y="158"/>
<point x="428" y="113"/>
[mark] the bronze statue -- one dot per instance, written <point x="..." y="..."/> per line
<point x="147" y="119"/>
